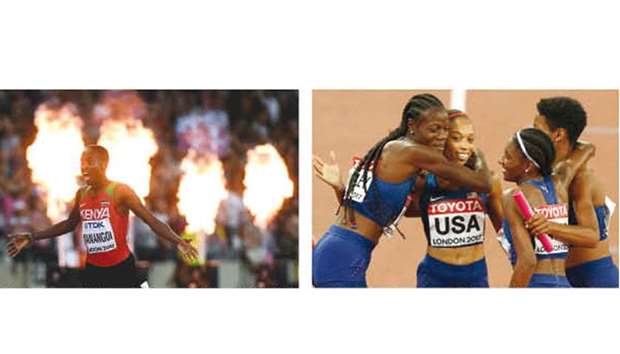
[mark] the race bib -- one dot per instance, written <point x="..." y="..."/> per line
<point x="456" y="222"/>
<point x="98" y="236"/>
<point x="556" y="213"/>
<point x="358" y="194"/>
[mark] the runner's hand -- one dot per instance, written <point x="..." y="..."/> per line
<point x="17" y="242"/>
<point x="189" y="252"/>
<point x="328" y="172"/>
<point x="537" y="225"/>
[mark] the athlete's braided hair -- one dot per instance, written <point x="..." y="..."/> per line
<point x="414" y="109"/>
<point x="538" y="146"/>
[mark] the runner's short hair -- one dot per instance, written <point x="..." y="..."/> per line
<point x="564" y="112"/>
<point x="100" y="152"/>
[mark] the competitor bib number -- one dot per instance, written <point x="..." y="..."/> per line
<point x="456" y="223"/>
<point x="98" y="236"/>
<point x="557" y="214"/>
<point x="358" y="194"/>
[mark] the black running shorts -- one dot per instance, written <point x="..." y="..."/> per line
<point x="122" y="275"/>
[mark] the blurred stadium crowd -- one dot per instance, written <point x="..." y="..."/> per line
<point x="226" y="123"/>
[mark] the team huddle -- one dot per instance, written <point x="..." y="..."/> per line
<point x="552" y="223"/>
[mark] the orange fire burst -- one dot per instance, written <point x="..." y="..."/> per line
<point x="130" y="145"/>
<point x="267" y="183"/>
<point x="54" y="157"/>
<point x="201" y="190"/>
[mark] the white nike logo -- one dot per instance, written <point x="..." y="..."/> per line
<point x="432" y="199"/>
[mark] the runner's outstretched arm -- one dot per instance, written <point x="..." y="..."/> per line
<point x="17" y="242"/>
<point x="128" y="198"/>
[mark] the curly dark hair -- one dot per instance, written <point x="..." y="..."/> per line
<point x="564" y="112"/>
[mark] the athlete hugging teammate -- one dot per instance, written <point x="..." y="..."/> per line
<point x="563" y="119"/>
<point x="100" y="215"/>
<point x="379" y="189"/>
<point x="452" y="218"/>
<point x="528" y="160"/>
<point x="453" y="214"/>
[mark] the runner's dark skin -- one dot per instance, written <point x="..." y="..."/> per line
<point x="517" y="168"/>
<point x="420" y="149"/>
<point x="459" y="148"/>
<point x="586" y="191"/>
<point x="93" y="168"/>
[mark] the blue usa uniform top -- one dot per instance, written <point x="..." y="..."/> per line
<point x="553" y="211"/>
<point x="452" y="218"/>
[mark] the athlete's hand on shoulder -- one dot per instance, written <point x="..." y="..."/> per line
<point x="328" y="172"/>
<point x="17" y="242"/>
<point x="585" y="145"/>
<point x="538" y="224"/>
<point x="189" y="252"/>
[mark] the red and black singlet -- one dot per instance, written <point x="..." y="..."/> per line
<point x="103" y="228"/>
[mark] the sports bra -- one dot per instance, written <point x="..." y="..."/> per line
<point x="602" y="216"/>
<point x="452" y="218"/>
<point x="553" y="211"/>
<point x="381" y="202"/>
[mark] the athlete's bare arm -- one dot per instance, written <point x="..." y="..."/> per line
<point x="329" y="173"/>
<point x="17" y="242"/>
<point x="414" y="210"/>
<point x="496" y="209"/>
<point x="64" y="226"/>
<point x="128" y="198"/>
<point x="522" y="242"/>
<point x="574" y="235"/>
<point x="565" y="170"/>
<point x="432" y="160"/>
<point x="585" y="234"/>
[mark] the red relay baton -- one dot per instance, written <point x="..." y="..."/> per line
<point x="526" y="212"/>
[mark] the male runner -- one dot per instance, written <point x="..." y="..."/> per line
<point x="563" y="119"/>
<point x="101" y="216"/>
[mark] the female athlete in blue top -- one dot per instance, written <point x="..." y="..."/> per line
<point x="453" y="216"/>
<point x="379" y="188"/>
<point x="563" y="119"/>
<point x="528" y="161"/>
